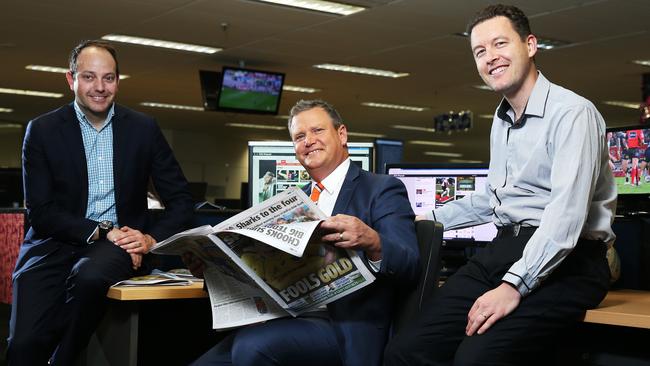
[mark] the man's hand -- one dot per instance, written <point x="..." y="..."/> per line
<point x="490" y="307"/>
<point x="134" y="241"/>
<point x="194" y="264"/>
<point x="136" y="259"/>
<point x="351" y="233"/>
<point x="115" y="235"/>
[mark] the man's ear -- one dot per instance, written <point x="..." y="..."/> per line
<point x="531" y="42"/>
<point x="69" y="76"/>
<point x="343" y="134"/>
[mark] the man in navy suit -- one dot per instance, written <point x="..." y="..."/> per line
<point x="86" y="169"/>
<point x="370" y="214"/>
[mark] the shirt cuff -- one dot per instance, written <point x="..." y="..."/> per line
<point x="375" y="266"/>
<point x="430" y="215"/>
<point x="517" y="282"/>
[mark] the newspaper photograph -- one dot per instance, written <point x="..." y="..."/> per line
<point x="268" y="261"/>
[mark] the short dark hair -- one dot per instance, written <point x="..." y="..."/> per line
<point x="305" y="105"/>
<point x="517" y="18"/>
<point x="74" y="55"/>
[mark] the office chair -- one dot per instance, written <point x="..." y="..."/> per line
<point x="429" y="236"/>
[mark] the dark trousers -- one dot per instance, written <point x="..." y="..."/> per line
<point x="59" y="300"/>
<point x="286" y="342"/>
<point x="437" y="336"/>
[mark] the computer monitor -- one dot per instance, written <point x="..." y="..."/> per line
<point x="431" y="185"/>
<point x="273" y="167"/>
<point x="629" y="150"/>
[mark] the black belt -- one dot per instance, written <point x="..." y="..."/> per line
<point x="514" y="230"/>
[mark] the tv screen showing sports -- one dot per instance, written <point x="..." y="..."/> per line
<point x="629" y="157"/>
<point x="431" y="186"/>
<point x="251" y="91"/>
<point x="273" y="167"/>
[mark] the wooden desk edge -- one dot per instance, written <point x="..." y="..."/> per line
<point x="130" y="293"/>
<point x="628" y="308"/>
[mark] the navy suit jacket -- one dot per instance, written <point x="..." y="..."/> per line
<point x="362" y="320"/>
<point x="55" y="178"/>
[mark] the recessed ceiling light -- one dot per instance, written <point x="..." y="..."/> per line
<point x="172" y="106"/>
<point x="251" y="125"/>
<point x="414" y="128"/>
<point x="445" y="154"/>
<point x="60" y="70"/>
<point x="431" y="143"/>
<point x="299" y="89"/>
<point x="465" y="161"/>
<point x="482" y="87"/>
<point x="161" y="44"/>
<point x="618" y="103"/>
<point x="6" y="110"/>
<point x="32" y="93"/>
<point x="642" y="62"/>
<point x="394" y="106"/>
<point x="365" y="134"/>
<point x="319" y="5"/>
<point x="362" y="70"/>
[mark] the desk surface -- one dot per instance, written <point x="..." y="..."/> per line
<point x="629" y="308"/>
<point x="193" y="291"/>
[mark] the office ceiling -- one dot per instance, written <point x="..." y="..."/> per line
<point x="414" y="36"/>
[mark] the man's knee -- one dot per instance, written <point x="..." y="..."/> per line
<point x="251" y="351"/>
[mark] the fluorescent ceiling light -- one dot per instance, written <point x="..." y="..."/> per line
<point x="361" y="70"/>
<point x="431" y="143"/>
<point x="642" y="62"/>
<point x="482" y="87"/>
<point x="60" y="70"/>
<point x="260" y="127"/>
<point x="465" y="161"/>
<point x="445" y="154"/>
<point x="299" y="89"/>
<point x="161" y="44"/>
<point x="32" y="93"/>
<point x="365" y="134"/>
<point x="6" y="110"/>
<point x="394" y="106"/>
<point x="414" y="128"/>
<point x="618" y="103"/>
<point x="486" y="116"/>
<point x="282" y="116"/>
<point x="172" y="106"/>
<point x="319" y="5"/>
<point x="10" y="125"/>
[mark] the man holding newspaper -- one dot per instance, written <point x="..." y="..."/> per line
<point x="370" y="214"/>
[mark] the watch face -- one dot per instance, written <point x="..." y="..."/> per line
<point x="106" y="225"/>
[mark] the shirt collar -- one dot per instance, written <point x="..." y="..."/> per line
<point x="536" y="102"/>
<point x="334" y="181"/>
<point x="81" y="117"/>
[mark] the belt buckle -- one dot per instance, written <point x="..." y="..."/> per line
<point x="515" y="229"/>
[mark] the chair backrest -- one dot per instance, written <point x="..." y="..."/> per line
<point x="429" y="235"/>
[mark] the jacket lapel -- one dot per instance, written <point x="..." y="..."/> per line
<point x="348" y="187"/>
<point x="73" y="141"/>
<point x="120" y="138"/>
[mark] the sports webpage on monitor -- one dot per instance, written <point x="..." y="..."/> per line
<point x="431" y="186"/>
<point x="252" y="91"/>
<point x="273" y="167"/>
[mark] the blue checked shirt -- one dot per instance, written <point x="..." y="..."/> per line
<point x="98" y="146"/>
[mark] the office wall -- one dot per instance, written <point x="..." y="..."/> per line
<point x="11" y="139"/>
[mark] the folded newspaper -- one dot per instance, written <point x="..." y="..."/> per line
<point x="266" y="262"/>
<point x="157" y="278"/>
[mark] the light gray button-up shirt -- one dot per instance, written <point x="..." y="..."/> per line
<point x="549" y="169"/>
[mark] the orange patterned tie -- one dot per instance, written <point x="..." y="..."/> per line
<point x="316" y="190"/>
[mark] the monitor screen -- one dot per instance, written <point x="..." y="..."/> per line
<point x="250" y="91"/>
<point x="431" y="186"/>
<point x="629" y="154"/>
<point x="273" y="167"/>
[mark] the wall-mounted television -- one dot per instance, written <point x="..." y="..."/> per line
<point x="273" y="167"/>
<point x="250" y="91"/>
<point x="432" y="185"/>
<point x="629" y="157"/>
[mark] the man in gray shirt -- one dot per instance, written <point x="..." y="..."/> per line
<point x="552" y="196"/>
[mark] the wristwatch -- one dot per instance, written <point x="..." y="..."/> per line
<point x="104" y="227"/>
